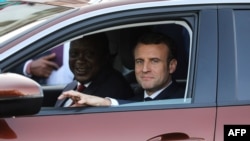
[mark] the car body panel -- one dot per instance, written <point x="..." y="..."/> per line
<point x="232" y="115"/>
<point x="104" y="126"/>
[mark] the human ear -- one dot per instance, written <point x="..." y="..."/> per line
<point x="172" y="66"/>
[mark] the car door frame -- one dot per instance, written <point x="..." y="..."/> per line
<point x="231" y="109"/>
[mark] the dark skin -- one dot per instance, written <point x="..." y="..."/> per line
<point x="85" y="59"/>
<point x="43" y="66"/>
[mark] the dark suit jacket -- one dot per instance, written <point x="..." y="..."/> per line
<point x="174" y="90"/>
<point x="108" y="83"/>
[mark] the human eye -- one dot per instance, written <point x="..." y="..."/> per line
<point x="89" y="54"/>
<point x="155" y="61"/>
<point x="73" y="54"/>
<point x="138" y="61"/>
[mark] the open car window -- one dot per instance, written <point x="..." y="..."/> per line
<point x="121" y="42"/>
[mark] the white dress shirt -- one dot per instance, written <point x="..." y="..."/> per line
<point x="63" y="75"/>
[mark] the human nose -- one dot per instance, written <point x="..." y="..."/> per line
<point x="146" y="67"/>
<point x="81" y="57"/>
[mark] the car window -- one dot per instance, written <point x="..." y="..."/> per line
<point x="122" y="37"/>
<point x="160" y="102"/>
<point x="122" y="42"/>
<point x="242" y="22"/>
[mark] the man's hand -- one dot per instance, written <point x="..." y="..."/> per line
<point x="43" y="66"/>
<point x="80" y="99"/>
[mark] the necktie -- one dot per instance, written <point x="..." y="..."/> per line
<point x="59" y="55"/>
<point x="80" y="88"/>
<point x="148" y="99"/>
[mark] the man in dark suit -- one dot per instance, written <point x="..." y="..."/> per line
<point x="89" y="61"/>
<point x="155" y="62"/>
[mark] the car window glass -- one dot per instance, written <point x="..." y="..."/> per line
<point x="160" y="102"/>
<point x="242" y="22"/>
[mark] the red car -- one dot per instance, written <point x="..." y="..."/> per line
<point x="213" y="45"/>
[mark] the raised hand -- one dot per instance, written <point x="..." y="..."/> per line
<point x="43" y="66"/>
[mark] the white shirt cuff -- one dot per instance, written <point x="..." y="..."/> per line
<point x="25" y="68"/>
<point x="114" y="102"/>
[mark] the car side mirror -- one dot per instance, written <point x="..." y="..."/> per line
<point x="19" y="95"/>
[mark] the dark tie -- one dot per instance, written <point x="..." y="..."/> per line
<point x="148" y="99"/>
<point x="59" y="55"/>
<point x="80" y="88"/>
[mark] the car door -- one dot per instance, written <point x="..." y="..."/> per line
<point x="192" y="117"/>
<point x="233" y="80"/>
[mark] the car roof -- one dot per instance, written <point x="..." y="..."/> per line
<point x="99" y="7"/>
<point x="83" y="3"/>
<point x="67" y="3"/>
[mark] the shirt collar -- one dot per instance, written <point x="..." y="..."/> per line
<point x="86" y="84"/>
<point x="155" y="94"/>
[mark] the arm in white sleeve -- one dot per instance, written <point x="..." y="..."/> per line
<point x="26" y="67"/>
<point x="114" y="102"/>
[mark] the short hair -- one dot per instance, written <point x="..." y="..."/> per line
<point x="158" y="38"/>
<point x="99" y="40"/>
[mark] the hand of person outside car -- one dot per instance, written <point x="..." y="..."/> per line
<point x="43" y="66"/>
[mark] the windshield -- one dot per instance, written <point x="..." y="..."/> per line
<point x="17" y="16"/>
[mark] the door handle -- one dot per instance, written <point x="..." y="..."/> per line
<point x="175" y="136"/>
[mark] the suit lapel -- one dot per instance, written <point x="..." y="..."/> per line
<point x="98" y="81"/>
<point x="172" y="91"/>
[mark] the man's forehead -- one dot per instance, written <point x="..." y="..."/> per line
<point x="84" y="46"/>
<point x="160" y="46"/>
<point x="151" y="49"/>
